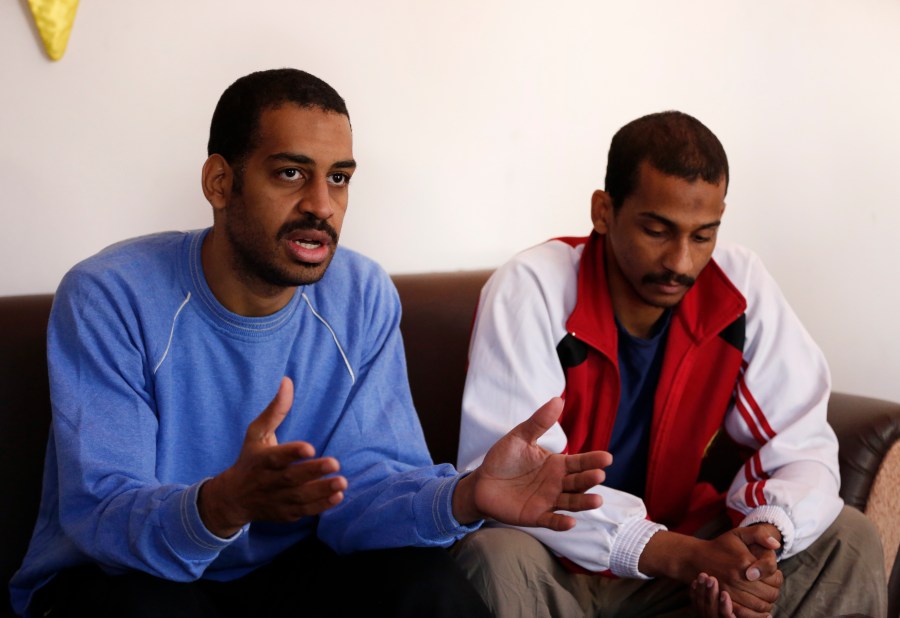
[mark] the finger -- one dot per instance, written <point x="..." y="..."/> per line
<point x="319" y="496"/>
<point x="768" y="588"/>
<point x="712" y="596"/>
<point x="311" y="470"/>
<point x="283" y="455"/>
<point x="698" y="598"/>
<point x="539" y="422"/>
<point x="776" y="579"/>
<point x="269" y="419"/>
<point x="751" y="603"/>
<point x="556" y="521"/>
<point x="578" y="502"/>
<point x="588" y="461"/>
<point x="320" y="490"/>
<point x="582" y="481"/>
<point x="726" y="607"/>
<point x="705" y="598"/>
<point x="759" y="535"/>
<point x="763" y="567"/>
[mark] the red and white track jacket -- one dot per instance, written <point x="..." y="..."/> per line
<point x="737" y="358"/>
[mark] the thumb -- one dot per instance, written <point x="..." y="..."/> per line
<point x="540" y="422"/>
<point x="757" y="535"/>
<point x="269" y="419"/>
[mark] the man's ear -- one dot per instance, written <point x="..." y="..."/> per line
<point x="601" y="211"/>
<point x="216" y="180"/>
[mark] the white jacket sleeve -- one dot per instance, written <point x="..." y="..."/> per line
<point x="513" y="370"/>
<point x="792" y="478"/>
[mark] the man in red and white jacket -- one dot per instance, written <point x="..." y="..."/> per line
<point x="664" y="345"/>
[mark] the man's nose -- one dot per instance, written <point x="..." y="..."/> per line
<point x="678" y="258"/>
<point x="316" y="200"/>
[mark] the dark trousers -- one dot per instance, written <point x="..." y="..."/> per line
<point x="307" y="580"/>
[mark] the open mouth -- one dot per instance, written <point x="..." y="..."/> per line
<point x="307" y="244"/>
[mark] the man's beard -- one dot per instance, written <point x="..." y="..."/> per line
<point x="259" y="258"/>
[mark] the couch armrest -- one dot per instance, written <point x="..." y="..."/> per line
<point x="868" y="432"/>
<point x="866" y="429"/>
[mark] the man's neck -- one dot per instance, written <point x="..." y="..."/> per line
<point x="239" y="294"/>
<point x="640" y="320"/>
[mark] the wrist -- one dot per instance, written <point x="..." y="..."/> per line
<point x="629" y="544"/>
<point x="668" y="554"/>
<point x="212" y="506"/>
<point x="465" y="510"/>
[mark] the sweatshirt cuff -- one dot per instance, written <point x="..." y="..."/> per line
<point x="628" y="546"/>
<point x="778" y="517"/>
<point x="433" y="506"/>
<point x="191" y="539"/>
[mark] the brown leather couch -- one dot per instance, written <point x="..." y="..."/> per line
<point x="437" y="316"/>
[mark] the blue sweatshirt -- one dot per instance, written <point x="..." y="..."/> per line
<point x="153" y="384"/>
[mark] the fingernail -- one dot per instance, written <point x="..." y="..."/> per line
<point x="753" y="574"/>
<point x="774" y="542"/>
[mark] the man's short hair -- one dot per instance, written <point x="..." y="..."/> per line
<point x="672" y="142"/>
<point x="234" y="130"/>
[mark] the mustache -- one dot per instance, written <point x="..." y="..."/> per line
<point x="669" y="278"/>
<point x="309" y="222"/>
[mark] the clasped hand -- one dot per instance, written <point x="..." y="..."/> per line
<point x="741" y="577"/>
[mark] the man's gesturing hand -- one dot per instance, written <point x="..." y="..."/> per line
<point x="522" y="484"/>
<point x="268" y="481"/>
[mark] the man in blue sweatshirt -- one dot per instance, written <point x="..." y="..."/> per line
<point x="232" y="430"/>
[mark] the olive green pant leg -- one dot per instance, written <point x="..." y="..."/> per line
<point x="518" y="577"/>
<point x="841" y="573"/>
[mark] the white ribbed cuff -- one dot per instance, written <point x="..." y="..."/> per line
<point x="628" y="545"/>
<point x="778" y="517"/>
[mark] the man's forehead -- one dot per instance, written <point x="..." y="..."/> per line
<point x="310" y="131"/>
<point x="646" y="171"/>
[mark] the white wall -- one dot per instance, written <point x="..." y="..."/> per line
<point x="481" y="128"/>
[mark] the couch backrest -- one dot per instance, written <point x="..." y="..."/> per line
<point x="24" y="421"/>
<point x="438" y="311"/>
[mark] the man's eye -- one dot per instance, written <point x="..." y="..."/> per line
<point x="339" y="178"/>
<point x="653" y="233"/>
<point x="290" y="173"/>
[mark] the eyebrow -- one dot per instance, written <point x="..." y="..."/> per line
<point x="670" y="223"/>
<point x="302" y="159"/>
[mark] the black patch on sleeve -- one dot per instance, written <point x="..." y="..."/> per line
<point x="721" y="462"/>
<point x="571" y="351"/>
<point x="736" y="333"/>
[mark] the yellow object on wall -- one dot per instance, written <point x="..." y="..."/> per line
<point x="54" y="19"/>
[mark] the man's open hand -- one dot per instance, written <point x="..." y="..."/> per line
<point x="523" y="484"/>
<point x="270" y="481"/>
